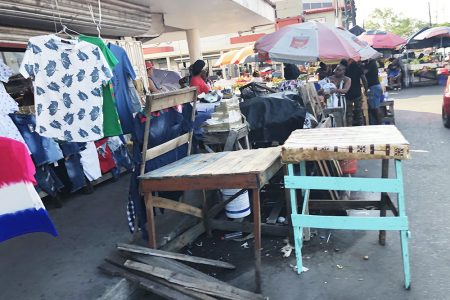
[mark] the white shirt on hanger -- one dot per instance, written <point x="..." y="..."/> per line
<point x="68" y="77"/>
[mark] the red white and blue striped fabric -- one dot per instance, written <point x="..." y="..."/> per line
<point x="21" y="208"/>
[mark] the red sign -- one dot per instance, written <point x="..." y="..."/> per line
<point x="299" y="42"/>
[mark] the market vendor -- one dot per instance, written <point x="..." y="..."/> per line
<point x="291" y="82"/>
<point x="394" y="74"/>
<point x="354" y="114"/>
<point x="151" y="83"/>
<point x="197" y="79"/>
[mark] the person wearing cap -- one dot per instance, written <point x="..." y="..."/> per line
<point x="151" y="84"/>
<point x="197" y="79"/>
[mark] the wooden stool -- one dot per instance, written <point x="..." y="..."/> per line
<point x="365" y="142"/>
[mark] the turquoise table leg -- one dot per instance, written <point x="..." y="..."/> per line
<point x="297" y="230"/>
<point x="404" y="234"/>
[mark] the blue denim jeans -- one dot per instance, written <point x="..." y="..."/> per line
<point x="47" y="180"/>
<point x="43" y="150"/>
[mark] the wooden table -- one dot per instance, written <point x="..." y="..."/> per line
<point x="230" y="139"/>
<point x="383" y="142"/>
<point x="244" y="169"/>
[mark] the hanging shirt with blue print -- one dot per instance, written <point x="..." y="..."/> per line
<point x="68" y="76"/>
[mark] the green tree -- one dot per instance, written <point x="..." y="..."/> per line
<point x="386" y="19"/>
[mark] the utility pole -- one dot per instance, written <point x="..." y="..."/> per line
<point x="429" y="12"/>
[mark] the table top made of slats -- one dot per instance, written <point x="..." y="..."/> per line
<point x="254" y="161"/>
<point x="361" y="142"/>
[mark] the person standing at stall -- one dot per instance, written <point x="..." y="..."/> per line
<point x="374" y="93"/>
<point x="354" y="115"/>
<point x="291" y="82"/>
<point x="197" y="79"/>
<point x="151" y="83"/>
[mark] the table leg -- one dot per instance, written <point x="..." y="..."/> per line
<point x="384" y="199"/>
<point x="150" y="220"/>
<point x="205" y="209"/>
<point x="257" y="232"/>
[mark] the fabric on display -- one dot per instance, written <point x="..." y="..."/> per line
<point x="48" y="181"/>
<point x="105" y="156"/>
<point x="7" y="106"/>
<point x="21" y="208"/>
<point x="167" y="125"/>
<point x="122" y="71"/>
<point x="68" y="76"/>
<point x="43" y="150"/>
<point x="273" y="117"/>
<point x="111" y="123"/>
<point x="90" y="162"/>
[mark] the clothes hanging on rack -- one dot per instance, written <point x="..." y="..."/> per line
<point x="68" y="76"/>
<point x="111" y="123"/>
<point x="43" y="150"/>
<point x="122" y="71"/>
<point x="21" y="209"/>
<point x="7" y="106"/>
<point x="90" y="162"/>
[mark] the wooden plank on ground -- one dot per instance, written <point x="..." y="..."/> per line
<point x="170" y="264"/>
<point x="177" y="256"/>
<point x="118" y="261"/>
<point x="211" y="288"/>
<point x="275" y="230"/>
<point x="150" y="285"/>
<point x="275" y="212"/>
<point x="185" y="238"/>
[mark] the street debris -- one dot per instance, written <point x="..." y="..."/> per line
<point x="247" y="237"/>
<point x="337" y="249"/>
<point x="340" y="267"/>
<point x="245" y="245"/>
<point x="366" y="257"/>
<point x="287" y="250"/>
<point x="199" y="244"/>
<point x="232" y="235"/>
<point x="281" y="220"/>
<point x="328" y="239"/>
<point x="304" y="269"/>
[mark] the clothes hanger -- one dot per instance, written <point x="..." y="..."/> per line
<point x="64" y="28"/>
<point x="99" y="22"/>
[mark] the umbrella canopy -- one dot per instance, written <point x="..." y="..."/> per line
<point x="434" y="32"/>
<point x="412" y="43"/>
<point x="306" y="42"/>
<point x="242" y="54"/>
<point x="364" y="50"/>
<point x="226" y="58"/>
<point x="382" y="39"/>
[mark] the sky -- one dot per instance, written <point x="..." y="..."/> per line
<point x="418" y="9"/>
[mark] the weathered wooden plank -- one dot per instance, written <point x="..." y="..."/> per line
<point x="274" y="213"/>
<point x="170" y="264"/>
<point x="185" y="238"/>
<point x="231" y="181"/>
<point x="177" y="256"/>
<point x="161" y="101"/>
<point x="148" y="284"/>
<point x="118" y="259"/>
<point x="211" y="288"/>
<point x="177" y="206"/>
<point x="167" y="146"/>
<point x="361" y="142"/>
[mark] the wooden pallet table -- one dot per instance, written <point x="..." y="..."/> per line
<point x="383" y="142"/>
<point x="244" y="169"/>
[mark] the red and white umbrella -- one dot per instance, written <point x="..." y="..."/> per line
<point x="365" y="51"/>
<point x="307" y="42"/>
<point x="440" y="32"/>
<point x="382" y="39"/>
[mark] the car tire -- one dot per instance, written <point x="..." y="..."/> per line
<point x="445" y="119"/>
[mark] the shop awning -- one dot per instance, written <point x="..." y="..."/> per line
<point x="226" y="58"/>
